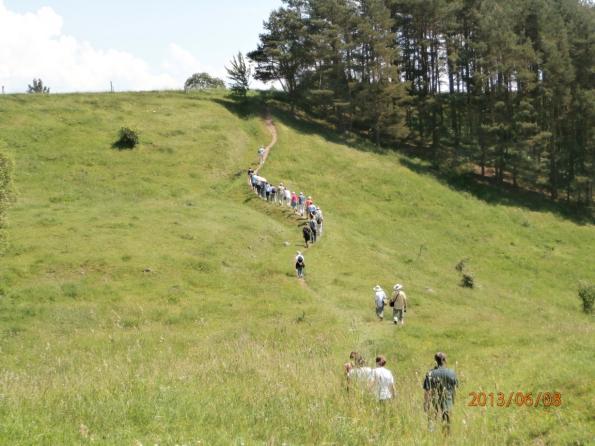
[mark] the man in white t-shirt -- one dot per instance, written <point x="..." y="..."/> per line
<point x="383" y="380"/>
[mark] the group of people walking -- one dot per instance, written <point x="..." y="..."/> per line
<point x="398" y="302"/>
<point x="439" y="385"/>
<point x="301" y="204"/>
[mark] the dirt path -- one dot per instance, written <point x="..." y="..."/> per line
<point x="270" y="125"/>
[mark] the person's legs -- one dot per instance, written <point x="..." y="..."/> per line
<point x="380" y="312"/>
<point x="445" y="423"/>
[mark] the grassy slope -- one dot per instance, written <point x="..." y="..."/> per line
<point x="218" y="342"/>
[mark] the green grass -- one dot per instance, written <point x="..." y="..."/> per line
<point x="148" y="296"/>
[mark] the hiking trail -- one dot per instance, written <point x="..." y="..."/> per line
<point x="273" y="130"/>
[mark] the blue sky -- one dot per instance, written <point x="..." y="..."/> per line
<point x="68" y="43"/>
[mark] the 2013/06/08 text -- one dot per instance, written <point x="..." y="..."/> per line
<point x="519" y="399"/>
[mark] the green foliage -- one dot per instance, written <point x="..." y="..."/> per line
<point x="502" y="88"/>
<point x="586" y="293"/>
<point x="203" y="81"/>
<point x="127" y="139"/>
<point x="239" y="74"/>
<point x="38" y="87"/>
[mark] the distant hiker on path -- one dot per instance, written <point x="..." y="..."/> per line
<point x="314" y="228"/>
<point x="399" y="303"/>
<point x="307" y="233"/>
<point x="319" y="220"/>
<point x="250" y="174"/>
<point x="439" y="387"/>
<point x="383" y="380"/>
<point x="380" y="301"/>
<point x="300" y="265"/>
<point x="261" y="153"/>
<point x="301" y="202"/>
<point x="294" y="201"/>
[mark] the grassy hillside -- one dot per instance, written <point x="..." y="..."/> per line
<point x="147" y="296"/>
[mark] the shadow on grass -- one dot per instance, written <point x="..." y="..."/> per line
<point x="488" y="191"/>
<point x="267" y="103"/>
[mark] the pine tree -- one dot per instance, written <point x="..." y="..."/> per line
<point x="239" y="74"/>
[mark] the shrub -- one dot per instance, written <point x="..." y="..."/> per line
<point x="127" y="139"/>
<point x="467" y="281"/>
<point x="586" y="292"/>
<point x="202" y="81"/>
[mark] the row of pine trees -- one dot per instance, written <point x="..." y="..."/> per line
<point x="503" y="87"/>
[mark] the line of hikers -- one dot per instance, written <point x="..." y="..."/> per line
<point x="439" y="385"/>
<point x="301" y="205"/>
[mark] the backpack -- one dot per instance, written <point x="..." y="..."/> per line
<point x="312" y="225"/>
<point x="300" y="261"/>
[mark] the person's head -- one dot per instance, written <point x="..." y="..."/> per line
<point x="398" y="287"/>
<point x="440" y="358"/>
<point x="380" y="361"/>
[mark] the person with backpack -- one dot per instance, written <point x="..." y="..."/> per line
<point x="307" y="233"/>
<point x="312" y="224"/>
<point x="294" y="201"/>
<point x="399" y="303"/>
<point x="300" y="265"/>
<point x="288" y="196"/>
<point x="319" y="220"/>
<point x="380" y="301"/>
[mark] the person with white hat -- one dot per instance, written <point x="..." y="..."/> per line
<point x="379" y="299"/>
<point x="300" y="264"/>
<point x="319" y="220"/>
<point x="399" y="303"/>
<point x="261" y="155"/>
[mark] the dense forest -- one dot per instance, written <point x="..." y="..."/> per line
<point x="501" y="88"/>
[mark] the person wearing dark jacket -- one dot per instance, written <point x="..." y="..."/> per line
<point x="307" y="232"/>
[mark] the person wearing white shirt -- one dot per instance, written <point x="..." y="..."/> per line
<point x="383" y="380"/>
<point x="379" y="299"/>
<point x="357" y="373"/>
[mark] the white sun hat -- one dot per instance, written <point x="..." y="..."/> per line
<point x="398" y="287"/>
<point x="377" y="288"/>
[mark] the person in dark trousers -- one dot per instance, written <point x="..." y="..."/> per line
<point x="439" y="386"/>
<point x="300" y="265"/>
<point x="307" y="232"/>
<point x="313" y="228"/>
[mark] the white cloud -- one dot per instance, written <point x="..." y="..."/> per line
<point x="33" y="45"/>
